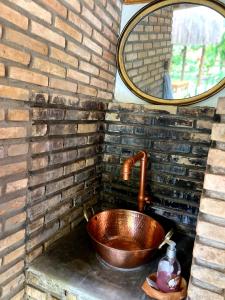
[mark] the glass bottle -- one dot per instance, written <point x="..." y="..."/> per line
<point x="169" y="270"/>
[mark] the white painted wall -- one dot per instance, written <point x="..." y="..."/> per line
<point x="122" y="93"/>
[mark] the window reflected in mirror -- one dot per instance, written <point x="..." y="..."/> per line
<point x="176" y="52"/>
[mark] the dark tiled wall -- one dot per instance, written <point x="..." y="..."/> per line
<point x="57" y="69"/>
<point x="177" y="141"/>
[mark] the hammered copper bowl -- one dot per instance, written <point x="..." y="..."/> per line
<point x="125" y="238"/>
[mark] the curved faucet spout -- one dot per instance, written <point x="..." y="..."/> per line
<point x="126" y="171"/>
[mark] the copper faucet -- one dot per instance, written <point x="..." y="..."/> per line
<point x="126" y="170"/>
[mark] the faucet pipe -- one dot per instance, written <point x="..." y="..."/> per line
<point x="126" y="171"/>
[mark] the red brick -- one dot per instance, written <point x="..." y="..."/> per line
<point x="214" y="183"/>
<point x="19" y="296"/>
<point x="101" y="13"/>
<point x="63" y="57"/>
<point x="218" y="132"/>
<point x="12" y="239"/>
<point x="16" y="93"/>
<point x="36" y="193"/>
<point x="79" y="76"/>
<point x="12" y="271"/>
<point x="74" y="167"/>
<point x="2" y="114"/>
<point x="213" y="207"/>
<point x="64" y="129"/>
<point x="87" y="128"/>
<point x="86" y="90"/>
<point x="101" y="39"/>
<point x="110" y="34"/>
<point x="109" y="56"/>
<point x="46" y="146"/>
<point x="18" y="149"/>
<point x="54" y="201"/>
<point x="89" y="68"/>
<point x="13" y="16"/>
<point x="196" y="293"/>
<point x="18" y="115"/>
<point x="99" y="62"/>
<point x="92" y="45"/>
<point x="203" y="124"/>
<point x="91" y="18"/>
<point x="2" y="152"/>
<point x="221" y="106"/>
<point x="39" y="163"/>
<point x="15" y="221"/>
<point x="48" y="67"/>
<point x="62" y="157"/>
<point x="32" y="8"/>
<point x="14" y="168"/>
<point x="2" y="70"/>
<point x="77" y="50"/>
<point x="12" y="133"/>
<point x="39" y="130"/>
<point x="216" y="158"/>
<point x="59" y="185"/>
<point x="209" y="255"/>
<point x="12" y="285"/>
<point x="63" y="85"/>
<point x="79" y="22"/>
<point x="47" y="34"/>
<point x="208" y="276"/>
<point x="75" y="4"/>
<point x="211" y="231"/>
<point x="9" y="53"/>
<point x="90" y="3"/>
<point x="41" y="237"/>
<point x="67" y="29"/>
<point x="113" y="12"/>
<point x="14" y="255"/>
<point x="34" y="254"/>
<point x="64" y="100"/>
<point x="105" y="95"/>
<point x="46" y="176"/>
<point x="25" y="41"/>
<point x="98" y="83"/>
<point x="33" y="293"/>
<point x="37" y="211"/>
<point x="47" y="114"/>
<point x="56" y="6"/>
<point x="35" y="225"/>
<point x="16" y="185"/>
<point x="107" y="76"/>
<point x="71" y="192"/>
<point x="13" y="205"/>
<point x="53" y="215"/>
<point x="27" y="76"/>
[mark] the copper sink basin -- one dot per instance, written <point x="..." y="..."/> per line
<point x="125" y="238"/>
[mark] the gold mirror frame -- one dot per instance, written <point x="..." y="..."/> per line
<point x="152" y="6"/>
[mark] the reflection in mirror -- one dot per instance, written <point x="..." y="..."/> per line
<point x="177" y="51"/>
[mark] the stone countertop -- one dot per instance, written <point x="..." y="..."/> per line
<point x="73" y="265"/>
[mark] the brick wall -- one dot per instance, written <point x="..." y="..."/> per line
<point x="57" y="72"/>
<point x="177" y="140"/>
<point x="148" y="50"/>
<point x="208" y="267"/>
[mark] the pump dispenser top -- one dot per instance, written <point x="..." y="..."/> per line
<point x="169" y="270"/>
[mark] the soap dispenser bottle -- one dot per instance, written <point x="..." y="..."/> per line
<point x="169" y="270"/>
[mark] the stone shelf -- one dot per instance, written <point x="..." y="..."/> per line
<point x="72" y="267"/>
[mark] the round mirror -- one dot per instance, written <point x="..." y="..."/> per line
<point x="173" y="52"/>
